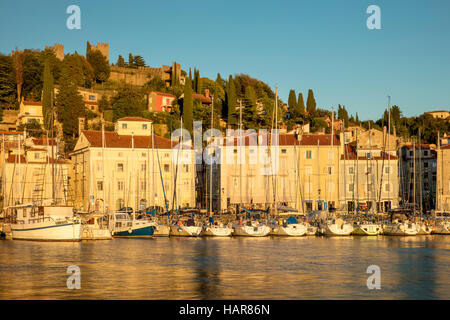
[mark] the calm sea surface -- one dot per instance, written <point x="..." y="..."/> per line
<point x="229" y="268"/>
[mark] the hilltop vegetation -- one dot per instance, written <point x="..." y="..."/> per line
<point x="31" y="75"/>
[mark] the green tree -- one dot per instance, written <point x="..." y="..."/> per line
<point x="311" y="103"/>
<point x="47" y="95"/>
<point x="33" y="128"/>
<point x="250" y="112"/>
<point x="128" y="102"/>
<point x="7" y="82"/>
<point x="79" y="69"/>
<point x="188" y="107"/>
<point x="231" y="101"/>
<point x="130" y="61"/>
<point x="69" y="107"/>
<point x="301" y="104"/>
<point x="103" y="104"/>
<point x="138" y="61"/>
<point x="120" y="61"/>
<point x="99" y="64"/>
<point x="292" y="101"/>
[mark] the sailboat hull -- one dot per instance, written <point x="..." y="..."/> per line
<point x="367" y="230"/>
<point x="185" y="231"/>
<point x="336" y="230"/>
<point x="161" y="230"/>
<point x="401" y="229"/>
<point x="47" y="231"/>
<point x="291" y="230"/>
<point x="251" y="231"/>
<point x="217" y="231"/>
<point x="142" y="231"/>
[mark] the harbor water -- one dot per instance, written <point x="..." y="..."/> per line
<point x="228" y="268"/>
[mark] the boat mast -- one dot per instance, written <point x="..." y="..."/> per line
<point x="211" y="163"/>
<point x="276" y="132"/>
<point x="414" y="175"/>
<point x="438" y="172"/>
<point x="330" y="196"/>
<point x="103" y="167"/>
<point x="389" y="154"/>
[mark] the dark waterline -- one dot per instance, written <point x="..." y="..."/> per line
<point x="228" y="268"/>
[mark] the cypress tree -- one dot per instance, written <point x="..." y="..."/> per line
<point x="292" y="103"/>
<point x="130" y="61"/>
<point x="250" y="113"/>
<point x="88" y="48"/>
<point x="301" y="104"/>
<point x="188" y="107"/>
<point x="47" y="94"/>
<point x="120" y="61"/>
<point x="311" y="103"/>
<point x="231" y="101"/>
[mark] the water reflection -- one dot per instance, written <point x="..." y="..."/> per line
<point x="228" y="268"/>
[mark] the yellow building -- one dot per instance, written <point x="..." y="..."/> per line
<point x="131" y="168"/>
<point x="300" y="172"/>
<point x="31" y="175"/>
<point x="443" y="179"/>
<point x="441" y="114"/>
<point x="30" y="110"/>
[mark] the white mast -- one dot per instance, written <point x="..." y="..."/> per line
<point x="210" y="165"/>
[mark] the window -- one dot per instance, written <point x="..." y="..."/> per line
<point x="143" y="167"/>
<point x="350" y="187"/>
<point x="143" y="155"/>
<point x="425" y="153"/>
<point x="308" y="171"/>
<point x="120" y="203"/>
<point x="120" y="154"/>
<point x="124" y="125"/>
<point x="144" y="127"/>
<point x="330" y="154"/>
<point x="120" y="167"/>
<point x="100" y="185"/>
<point x="369" y="187"/>
<point x="92" y="98"/>
<point x="387" y="187"/>
<point x="368" y="155"/>
<point x="308" y="154"/>
<point x="425" y="164"/>
<point x="120" y="185"/>
<point x="330" y="170"/>
<point x="186" y="167"/>
<point x="36" y="156"/>
<point x="283" y="150"/>
<point x="166" y="168"/>
<point x="387" y="170"/>
<point x="350" y="170"/>
<point x="143" y="186"/>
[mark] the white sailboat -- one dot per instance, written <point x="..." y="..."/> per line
<point x="44" y="223"/>
<point x="400" y="228"/>
<point x="366" y="229"/>
<point x="185" y="228"/>
<point x="291" y="228"/>
<point x="335" y="227"/>
<point x="250" y="228"/>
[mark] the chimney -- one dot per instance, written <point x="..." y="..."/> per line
<point x="207" y="93"/>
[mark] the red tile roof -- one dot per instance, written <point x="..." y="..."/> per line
<point x="44" y="141"/>
<point x="201" y="97"/>
<point x="446" y="147"/>
<point x="12" y="158"/>
<point x="114" y="140"/>
<point x="318" y="139"/>
<point x="91" y="102"/>
<point x="134" y="119"/>
<point x="163" y="94"/>
<point x="32" y="103"/>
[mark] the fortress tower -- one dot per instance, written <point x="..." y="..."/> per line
<point x="103" y="48"/>
<point x="58" y="49"/>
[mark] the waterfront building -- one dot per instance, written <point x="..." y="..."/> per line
<point x="29" y="111"/>
<point x="159" y="101"/>
<point x="418" y="175"/>
<point x="299" y="171"/>
<point x="368" y="179"/>
<point x="33" y="171"/>
<point x="130" y="167"/>
<point x="443" y="178"/>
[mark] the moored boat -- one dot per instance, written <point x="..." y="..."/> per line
<point x="123" y="224"/>
<point x="44" y="223"/>
<point x="290" y="228"/>
<point x="335" y="227"/>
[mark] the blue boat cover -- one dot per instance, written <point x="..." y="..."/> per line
<point x="292" y="220"/>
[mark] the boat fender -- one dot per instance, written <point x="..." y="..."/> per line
<point x="130" y="231"/>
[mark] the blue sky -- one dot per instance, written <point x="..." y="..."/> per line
<point x="322" y="45"/>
